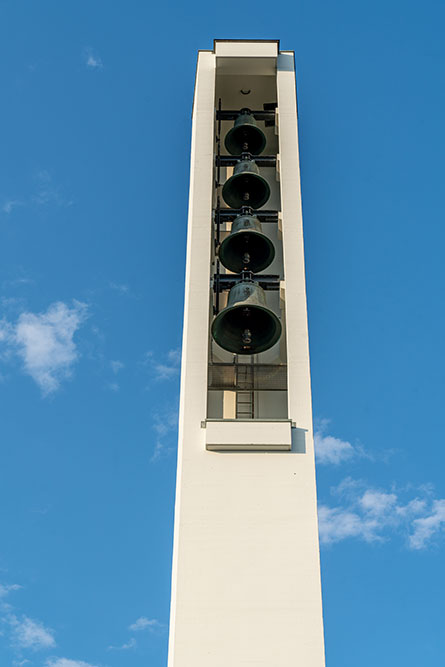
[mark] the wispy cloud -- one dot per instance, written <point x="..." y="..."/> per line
<point x="164" y="424"/>
<point x="10" y="204"/>
<point x="143" y="623"/>
<point x="5" y="589"/>
<point x="23" y="632"/>
<point x="91" y="59"/>
<point x="121" y="288"/>
<point x="31" y="634"/>
<point x="424" y="528"/>
<point x="45" y="342"/>
<point x="66" y="662"/>
<point x="116" y="366"/>
<point x="124" y="647"/>
<point x="331" y="450"/>
<point x="47" y="192"/>
<point x="165" y="368"/>
<point x="17" y="282"/>
<point x="375" y="515"/>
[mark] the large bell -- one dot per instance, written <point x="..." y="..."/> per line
<point x="246" y="247"/>
<point x="246" y="325"/>
<point x="246" y="187"/>
<point x="245" y="136"/>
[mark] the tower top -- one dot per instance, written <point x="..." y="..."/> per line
<point x="252" y="48"/>
<point x="246" y="47"/>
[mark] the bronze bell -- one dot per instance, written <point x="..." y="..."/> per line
<point x="246" y="325"/>
<point x="246" y="187"/>
<point x="245" y="136"/>
<point x="246" y="247"/>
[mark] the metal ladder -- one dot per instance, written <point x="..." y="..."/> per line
<point x="245" y="407"/>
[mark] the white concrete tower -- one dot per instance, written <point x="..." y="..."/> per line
<point x="246" y="575"/>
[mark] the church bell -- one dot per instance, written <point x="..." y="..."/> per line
<point x="245" y="136"/>
<point x="246" y="247"/>
<point x="246" y="325"/>
<point x="246" y="187"/>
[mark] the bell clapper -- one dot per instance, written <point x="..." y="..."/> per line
<point x="247" y="338"/>
<point x="246" y="335"/>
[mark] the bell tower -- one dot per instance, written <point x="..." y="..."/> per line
<point x="246" y="586"/>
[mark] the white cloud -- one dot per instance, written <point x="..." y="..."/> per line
<point x="336" y="524"/>
<point x="45" y="343"/>
<point x="164" y="424"/>
<point x="66" y="662"/>
<point x="144" y="623"/>
<point x="174" y="356"/>
<point x="377" y="503"/>
<point x="329" y="449"/>
<point x="92" y="60"/>
<point x="130" y="644"/>
<point x="27" y="633"/>
<point x="120" y="287"/>
<point x="425" y="527"/>
<point x="6" y="588"/>
<point x="116" y="366"/>
<point x="47" y="192"/>
<point x="372" y="515"/>
<point x="6" y="331"/>
<point x="12" y="303"/>
<point x="11" y="204"/>
<point x="17" y="282"/>
<point x="164" y="372"/>
<point x="166" y="369"/>
<point x="158" y="451"/>
<point x="124" y="647"/>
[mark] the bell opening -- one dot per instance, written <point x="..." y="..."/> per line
<point x="246" y="329"/>
<point x="248" y="250"/>
<point x="245" y="138"/>
<point x="246" y="190"/>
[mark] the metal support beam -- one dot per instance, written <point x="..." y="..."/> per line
<point x="225" y="281"/>
<point x="227" y="214"/>
<point x="231" y="160"/>
<point x="268" y="115"/>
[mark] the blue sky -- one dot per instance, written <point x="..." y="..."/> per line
<point x="95" y="136"/>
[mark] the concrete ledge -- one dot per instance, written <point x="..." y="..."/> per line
<point x="236" y="435"/>
<point x="233" y="48"/>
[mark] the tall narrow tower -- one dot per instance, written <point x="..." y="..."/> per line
<point x="246" y="576"/>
